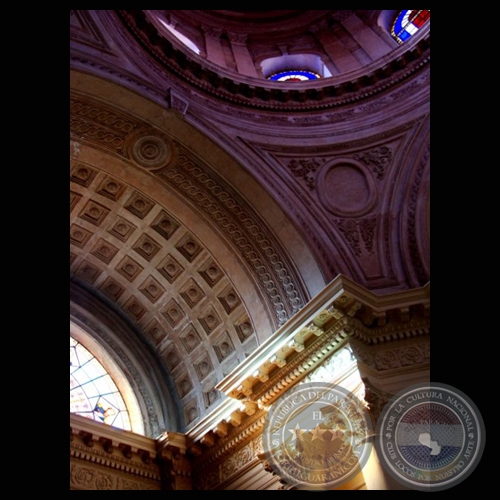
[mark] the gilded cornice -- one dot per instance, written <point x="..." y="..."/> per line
<point x="340" y="300"/>
<point x="105" y="457"/>
<point x="116" y="452"/>
<point x="386" y="327"/>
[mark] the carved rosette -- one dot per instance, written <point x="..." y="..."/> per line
<point x="150" y="150"/>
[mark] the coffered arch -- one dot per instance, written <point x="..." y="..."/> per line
<point x="205" y="271"/>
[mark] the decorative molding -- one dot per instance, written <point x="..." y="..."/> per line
<point x="95" y="123"/>
<point x="105" y="458"/>
<point x="90" y="477"/>
<point x="234" y="217"/>
<point x="344" y="321"/>
<point x="415" y="257"/>
<point x="346" y="188"/>
<point x="378" y="158"/>
<point x="231" y="214"/>
<point x="171" y="449"/>
<point x="356" y="231"/>
<point x="305" y="168"/>
<point x="332" y="367"/>
<point x="150" y="150"/>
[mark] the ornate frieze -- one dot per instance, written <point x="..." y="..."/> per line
<point x="105" y="458"/>
<point x="93" y="122"/>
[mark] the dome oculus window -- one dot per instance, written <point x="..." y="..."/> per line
<point x="408" y="22"/>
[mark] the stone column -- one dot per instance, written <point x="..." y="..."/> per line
<point x="376" y="477"/>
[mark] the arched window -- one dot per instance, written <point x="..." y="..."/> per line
<point x="92" y="391"/>
<point x="408" y="22"/>
<point x="298" y="67"/>
<point x="135" y="375"/>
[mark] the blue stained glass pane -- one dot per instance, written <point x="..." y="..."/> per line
<point x="294" y="75"/>
<point x="408" y="22"/>
<point x="401" y="20"/>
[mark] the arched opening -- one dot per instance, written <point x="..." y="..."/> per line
<point x="123" y="374"/>
<point x="98" y="388"/>
<point x="294" y="67"/>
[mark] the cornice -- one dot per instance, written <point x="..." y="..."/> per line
<point x="105" y="457"/>
<point x="79" y="424"/>
<point x="342" y="312"/>
<point x="113" y="448"/>
<point x="341" y="298"/>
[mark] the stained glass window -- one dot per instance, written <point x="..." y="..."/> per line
<point x="408" y="22"/>
<point x="92" y="392"/>
<point x="294" y="76"/>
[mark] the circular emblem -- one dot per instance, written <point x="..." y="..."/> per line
<point x="150" y="150"/>
<point x="317" y="436"/>
<point x="430" y="437"/>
